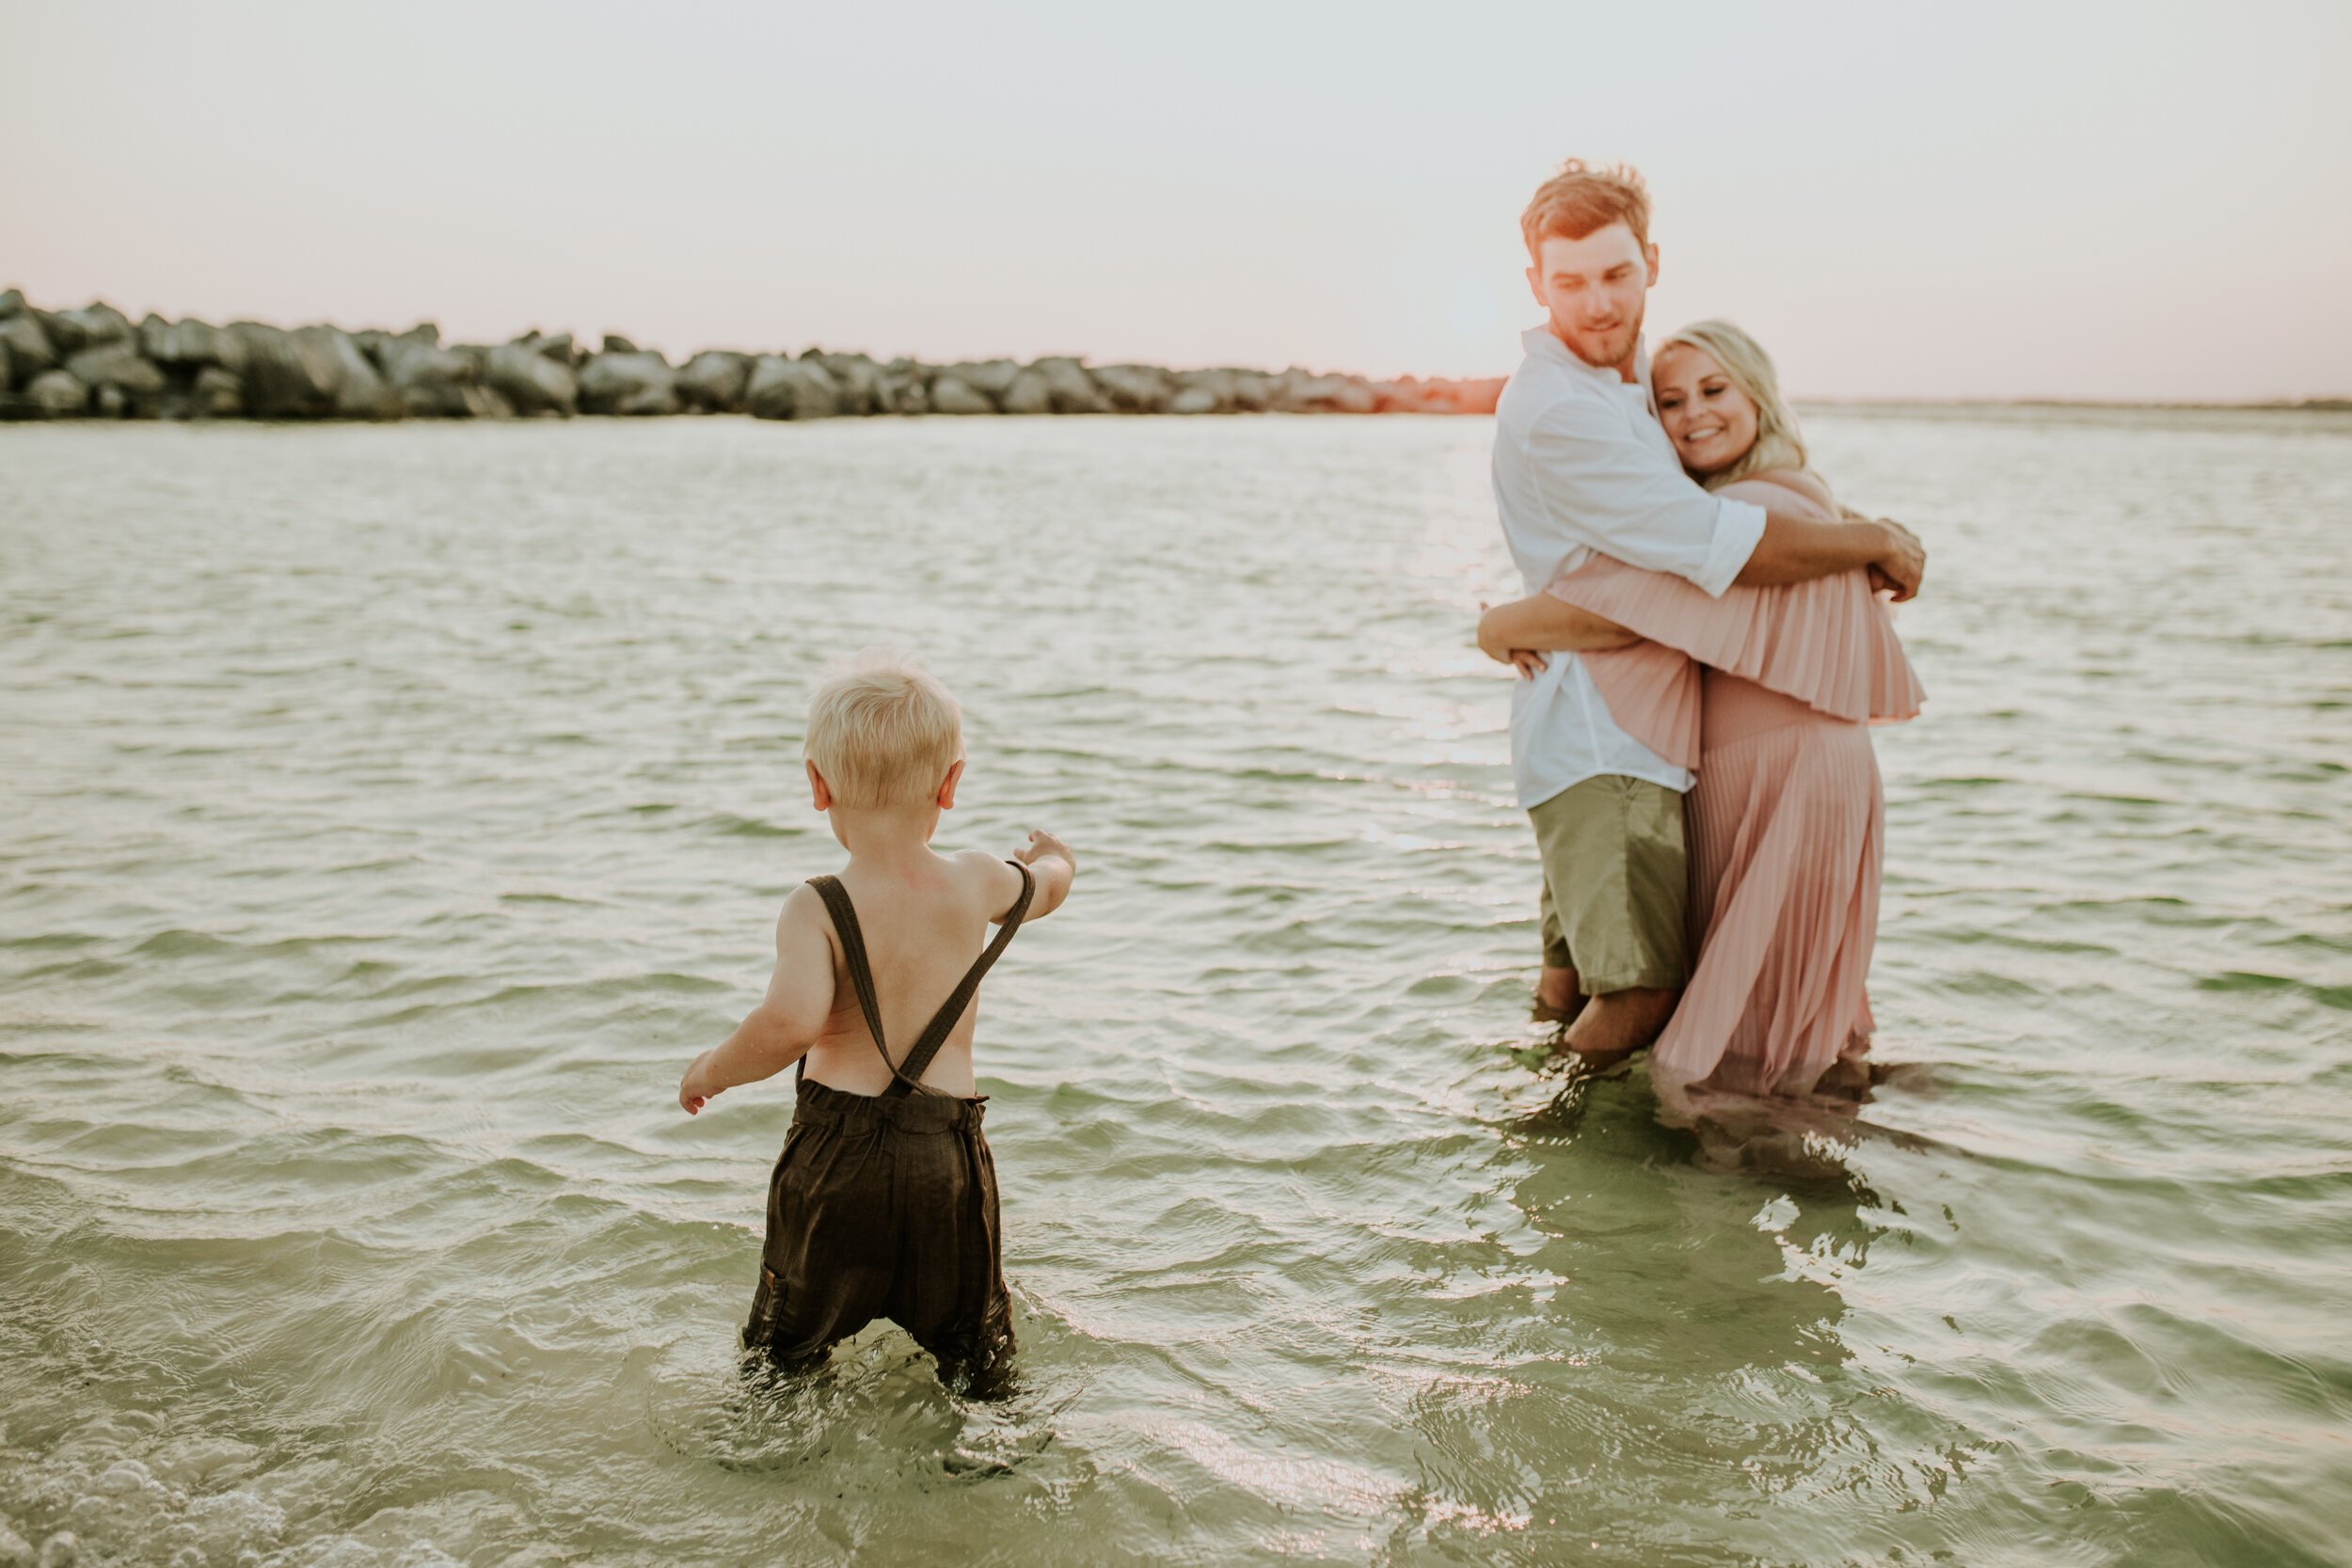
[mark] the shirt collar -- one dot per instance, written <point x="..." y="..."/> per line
<point x="1541" y="344"/>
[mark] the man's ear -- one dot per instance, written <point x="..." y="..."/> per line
<point x="1649" y="254"/>
<point x="820" y="793"/>
<point x="1536" y="287"/>
<point x="948" y="787"/>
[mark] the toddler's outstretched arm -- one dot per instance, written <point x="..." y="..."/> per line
<point x="789" y="1019"/>
<point x="1054" y="868"/>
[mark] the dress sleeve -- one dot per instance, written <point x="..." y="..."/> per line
<point x="1829" y="644"/>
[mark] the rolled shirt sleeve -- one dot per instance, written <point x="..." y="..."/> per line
<point x="1629" y="499"/>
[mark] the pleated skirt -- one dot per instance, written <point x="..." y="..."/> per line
<point x="1788" y="831"/>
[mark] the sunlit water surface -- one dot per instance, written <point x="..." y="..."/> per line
<point x="391" y="811"/>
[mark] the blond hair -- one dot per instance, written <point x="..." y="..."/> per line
<point x="1583" y="199"/>
<point x="882" y="730"/>
<point x="1778" y="443"/>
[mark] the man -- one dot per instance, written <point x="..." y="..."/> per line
<point x="1582" y="465"/>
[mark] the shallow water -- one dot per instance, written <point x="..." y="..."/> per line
<point x="391" y="812"/>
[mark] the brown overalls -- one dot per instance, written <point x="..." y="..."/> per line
<point x="884" y="1205"/>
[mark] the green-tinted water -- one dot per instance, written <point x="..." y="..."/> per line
<point x="391" y="812"/>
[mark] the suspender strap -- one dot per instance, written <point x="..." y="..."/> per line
<point x="845" y="925"/>
<point x="944" y="1022"/>
<point x="907" y="1079"/>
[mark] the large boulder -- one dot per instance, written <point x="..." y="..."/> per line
<point x="634" y="382"/>
<point x="216" y="394"/>
<point x="121" y="379"/>
<point x="1031" y="393"/>
<point x="189" y="342"/>
<point x="11" y="302"/>
<point x="557" y="346"/>
<point x="992" y="378"/>
<point x="56" y="395"/>
<point x="1297" y="391"/>
<point x="7" y="370"/>
<point x="907" y="387"/>
<point x="532" y="382"/>
<point x="1203" y="392"/>
<point x="1135" y="388"/>
<point x="615" y="343"/>
<point x="359" y="392"/>
<point x="713" y="381"/>
<point x="296" y="376"/>
<point x="781" y="388"/>
<point x="431" y="382"/>
<point x="74" y="331"/>
<point x="1252" y="390"/>
<point x="29" y="348"/>
<point x="864" y="388"/>
<point x="949" y="395"/>
<point x="1071" y="390"/>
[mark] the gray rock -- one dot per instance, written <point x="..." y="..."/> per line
<point x="949" y="395"/>
<point x="74" y="331"/>
<point x="557" y="346"/>
<point x="121" y="379"/>
<point x="1194" y="400"/>
<point x="910" y="395"/>
<point x="615" y="343"/>
<point x="530" y="381"/>
<point x="426" y="333"/>
<point x="11" y="302"/>
<point x="358" y="392"/>
<point x="864" y="388"/>
<point x="287" y="375"/>
<point x="29" y="344"/>
<point x="5" y="371"/>
<point x="991" y="378"/>
<point x="487" y="402"/>
<point x="217" y="394"/>
<point x="713" y="380"/>
<point x="1135" y="388"/>
<point x="781" y="388"/>
<point x="1204" y="392"/>
<point x="56" y="395"/>
<point x="1297" y="391"/>
<point x="431" y="383"/>
<point x="189" y="342"/>
<point x="1074" y="391"/>
<point x="1031" y="393"/>
<point x="1253" y="391"/>
<point x="627" y="382"/>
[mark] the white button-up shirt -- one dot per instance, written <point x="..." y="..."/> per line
<point x="1580" y="466"/>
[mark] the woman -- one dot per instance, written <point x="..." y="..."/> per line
<point x="1765" y="693"/>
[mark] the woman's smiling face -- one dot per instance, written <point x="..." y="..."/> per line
<point x="1710" y="421"/>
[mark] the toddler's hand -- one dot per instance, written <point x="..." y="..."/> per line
<point x="1041" y="845"/>
<point x="691" y="1097"/>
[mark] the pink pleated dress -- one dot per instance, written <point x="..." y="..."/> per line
<point x="1767" y="695"/>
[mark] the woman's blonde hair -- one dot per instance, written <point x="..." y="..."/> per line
<point x="882" y="730"/>
<point x="1744" y="359"/>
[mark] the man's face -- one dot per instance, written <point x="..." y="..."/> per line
<point x="1593" y="289"/>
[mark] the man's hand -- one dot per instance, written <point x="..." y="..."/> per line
<point x="692" y="1093"/>
<point x="1903" y="562"/>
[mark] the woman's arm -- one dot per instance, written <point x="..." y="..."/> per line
<point x="1540" y="623"/>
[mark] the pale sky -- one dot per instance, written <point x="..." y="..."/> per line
<point x="2113" y="200"/>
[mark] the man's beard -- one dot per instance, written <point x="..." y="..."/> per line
<point x="1609" y="350"/>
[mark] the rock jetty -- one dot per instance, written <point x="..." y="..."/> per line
<point x="96" y="363"/>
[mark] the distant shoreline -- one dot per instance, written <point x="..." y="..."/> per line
<point x="94" y="362"/>
<point x="2304" y="405"/>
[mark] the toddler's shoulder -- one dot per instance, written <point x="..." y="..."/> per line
<point x="993" y="883"/>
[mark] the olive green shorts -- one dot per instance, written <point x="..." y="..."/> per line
<point x="1616" y="884"/>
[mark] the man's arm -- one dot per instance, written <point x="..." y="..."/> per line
<point x="789" y="1019"/>
<point x="1798" y="550"/>
<point x="1603" y="486"/>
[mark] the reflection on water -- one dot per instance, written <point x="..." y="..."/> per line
<point x="392" y="812"/>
